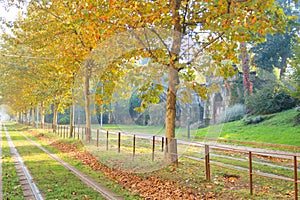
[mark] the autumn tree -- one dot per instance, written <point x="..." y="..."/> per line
<point x="294" y="85"/>
<point x="214" y="27"/>
<point x="65" y="32"/>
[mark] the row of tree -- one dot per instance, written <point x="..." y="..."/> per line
<point x="96" y="45"/>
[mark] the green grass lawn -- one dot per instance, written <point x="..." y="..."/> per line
<point x="280" y="128"/>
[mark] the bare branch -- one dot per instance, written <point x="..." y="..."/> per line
<point x="162" y="41"/>
<point x="30" y="57"/>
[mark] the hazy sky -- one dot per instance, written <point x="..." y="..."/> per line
<point x="8" y="15"/>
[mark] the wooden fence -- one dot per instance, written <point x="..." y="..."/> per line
<point x="80" y="133"/>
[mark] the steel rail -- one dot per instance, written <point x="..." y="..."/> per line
<point x="106" y="193"/>
<point x="1" y="185"/>
<point x="18" y="158"/>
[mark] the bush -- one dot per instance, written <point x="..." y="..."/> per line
<point x="297" y="117"/>
<point x="270" y="99"/>
<point x="297" y="120"/>
<point x="254" y="120"/>
<point x="64" y="120"/>
<point x="236" y="112"/>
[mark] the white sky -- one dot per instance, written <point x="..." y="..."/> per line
<point x="8" y="15"/>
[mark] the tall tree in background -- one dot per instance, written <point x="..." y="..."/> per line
<point x="295" y="83"/>
<point x="244" y="57"/>
<point x="277" y="49"/>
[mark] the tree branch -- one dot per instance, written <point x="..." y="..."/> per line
<point x="30" y="57"/>
<point x="162" y="41"/>
<point x="206" y="45"/>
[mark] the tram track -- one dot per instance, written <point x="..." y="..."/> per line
<point x="1" y="184"/>
<point x="30" y="190"/>
<point x="88" y="181"/>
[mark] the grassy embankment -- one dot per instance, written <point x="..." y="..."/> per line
<point x="278" y="128"/>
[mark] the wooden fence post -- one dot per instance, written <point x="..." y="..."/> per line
<point x="173" y="144"/>
<point x="82" y="132"/>
<point x="295" y="178"/>
<point x="74" y="132"/>
<point x="250" y="173"/>
<point x="207" y="164"/>
<point x="119" y="142"/>
<point x="167" y="148"/>
<point x="133" y="150"/>
<point x="97" y="137"/>
<point x="89" y="131"/>
<point x="78" y="132"/>
<point x="153" y="147"/>
<point x="106" y="140"/>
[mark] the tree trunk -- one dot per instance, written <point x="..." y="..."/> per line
<point x="87" y="98"/>
<point x="42" y="115"/>
<point x="28" y="117"/>
<point x="37" y="116"/>
<point x="173" y="82"/>
<point x="20" y="117"/>
<point x="72" y="119"/>
<point x="246" y="70"/>
<point x="55" y="108"/>
<point x="283" y="65"/>
<point x="33" y="116"/>
<point x="171" y="155"/>
<point x="25" y="117"/>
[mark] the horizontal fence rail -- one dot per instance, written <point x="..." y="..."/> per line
<point x="80" y="132"/>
